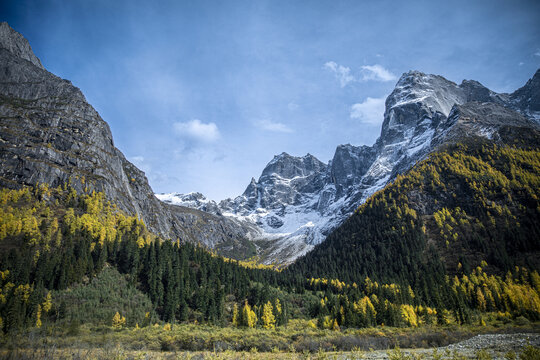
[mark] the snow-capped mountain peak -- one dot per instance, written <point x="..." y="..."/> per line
<point x="298" y="201"/>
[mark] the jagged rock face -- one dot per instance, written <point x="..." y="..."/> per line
<point x="349" y="165"/>
<point x="286" y="180"/>
<point x="526" y="99"/>
<point x="16" y="44"/>
<point x="482" y="119"/>
<point x="50" y="134"/>
<point x="417" y="111"/>
<point x="416" y="97"/>
<point x="294" y="207"/>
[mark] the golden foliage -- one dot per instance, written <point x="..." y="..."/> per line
<point x="118" y="321"/>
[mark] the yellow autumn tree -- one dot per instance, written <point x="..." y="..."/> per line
<point x="408" y="315"/>
<point x="267" y="317"/>
<point x="327" y="322"/>
<point x="278" y="307"/>
<point x="249" y="318"/>
<point x="118" y="321"/>
<point x="38" y="316"/>
<point x="480" y="299"/>
<point x="140" y="242"/>
<point x="335" y="326"/>
<point x="235" y="317"/>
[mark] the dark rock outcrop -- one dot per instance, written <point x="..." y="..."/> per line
<point x="526" y="99"/>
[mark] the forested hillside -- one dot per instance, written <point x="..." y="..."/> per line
<point x="443" y="227"/>
<point x="54" y="239"/>
<point x="452" y="241"/>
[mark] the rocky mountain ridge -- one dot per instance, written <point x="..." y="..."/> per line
<point x="50" y="134"/>
<point x="298" y="201"/>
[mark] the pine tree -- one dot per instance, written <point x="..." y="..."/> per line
<point x="320" y="320"/>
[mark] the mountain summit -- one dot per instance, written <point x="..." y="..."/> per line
<point x="16" y="44"/>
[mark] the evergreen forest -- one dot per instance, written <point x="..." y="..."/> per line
<point x="454" y="241"/>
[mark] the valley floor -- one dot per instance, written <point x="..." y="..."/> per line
<point x="293" y="342"/>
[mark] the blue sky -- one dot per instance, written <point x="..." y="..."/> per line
<point x="202" y="94"/>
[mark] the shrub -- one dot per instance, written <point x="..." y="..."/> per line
<point x="530" y="353"/>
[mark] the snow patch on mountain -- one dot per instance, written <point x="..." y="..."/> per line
<point x="194" y="200"/>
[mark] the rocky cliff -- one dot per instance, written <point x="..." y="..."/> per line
<point x="50" y="134"/>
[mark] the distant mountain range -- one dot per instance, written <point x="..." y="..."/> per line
<point x="298" y="201"/>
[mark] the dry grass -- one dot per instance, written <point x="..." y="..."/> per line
<point x="188" y="341"/>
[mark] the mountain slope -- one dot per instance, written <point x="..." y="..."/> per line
<point x="298" y="201"/>
<point x="468" y="202"/>
<point x="50" y="134"/>
<point x="526" y="99"/>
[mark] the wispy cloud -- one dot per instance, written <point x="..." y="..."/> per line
<point x="269" y="125"/>
<point x="197" y="130"/>
<point x="367" y="73"/>
<point x="292" y="106"/>
<point x="377" y="73"/>
<point x="342" y="73"/>
<point x="370" y="111"/>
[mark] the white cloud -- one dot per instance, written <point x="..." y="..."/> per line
<point x="292" y="106"/>
<point x="342" y="73"/>
<point x="371" y="111"/>
<point x="368" y="72"/>
<point x="269" y="125"/>
<point x="376" y="72"/>
<point x="197" y="130"/>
